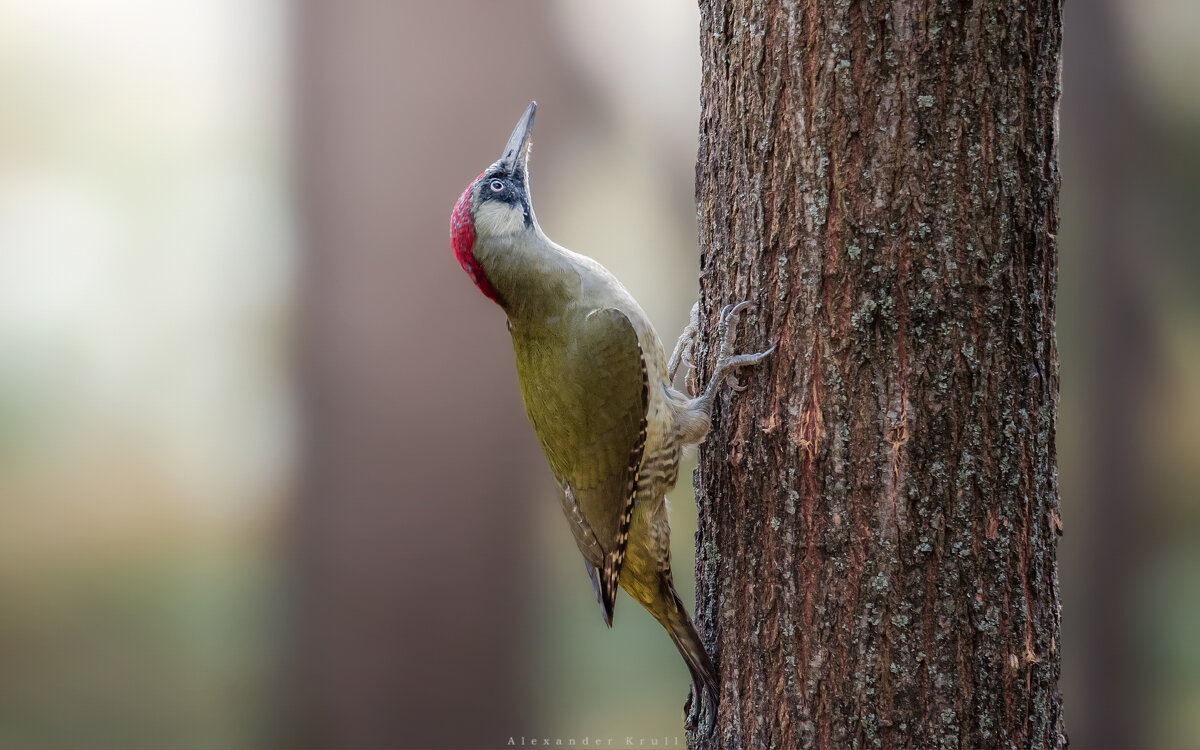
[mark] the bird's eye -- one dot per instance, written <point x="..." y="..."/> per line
<point x="497" y="186"/>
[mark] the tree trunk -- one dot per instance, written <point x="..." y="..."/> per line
<point x="879" y="510"/>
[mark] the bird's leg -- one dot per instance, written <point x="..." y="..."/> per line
<point x="700" y="408"/>
<point x="686" y="344"/>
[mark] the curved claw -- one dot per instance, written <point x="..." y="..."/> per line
<point x="743" y="305"/>
<point x="733" y="308"/>
<point x="750" y="359"/>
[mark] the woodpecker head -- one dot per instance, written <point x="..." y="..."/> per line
<point x="495" y="205"/>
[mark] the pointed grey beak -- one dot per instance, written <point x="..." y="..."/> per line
<point x="517" y="149"/>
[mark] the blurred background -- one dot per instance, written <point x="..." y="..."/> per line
<point x="265" y="479"/>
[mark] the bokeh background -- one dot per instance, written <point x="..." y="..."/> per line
<point x="264" y="475"/>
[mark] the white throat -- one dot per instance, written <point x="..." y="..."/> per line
<point x="495" y="219"/>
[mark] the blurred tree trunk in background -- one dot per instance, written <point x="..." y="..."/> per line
<point x="1110" y="139"/>
<point x="387" y="538"/>
<point x="408" y="600"/>
<point x="879" y="511"/>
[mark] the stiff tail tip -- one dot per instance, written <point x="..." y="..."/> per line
<point x="704" y="695"/>
<point x="703" y="707"/>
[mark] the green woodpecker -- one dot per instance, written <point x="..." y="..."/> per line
<point x="598" y="390"/>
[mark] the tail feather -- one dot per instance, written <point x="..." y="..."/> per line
<point x="605" y="604"/>
<point x="705" y="692"/>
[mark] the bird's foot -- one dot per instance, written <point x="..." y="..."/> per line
<point x="686" y="344"/>
<point x="727" y="362"/>
<point x="698" y="411"/>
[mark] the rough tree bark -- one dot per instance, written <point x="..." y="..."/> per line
<point x="879" y="511"/>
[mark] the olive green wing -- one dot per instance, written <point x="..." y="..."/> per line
<point x="587" y="398"/>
